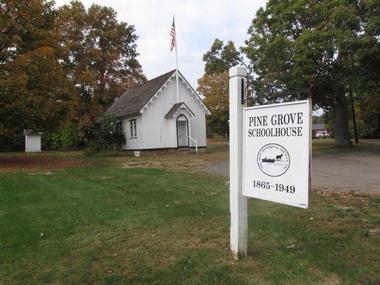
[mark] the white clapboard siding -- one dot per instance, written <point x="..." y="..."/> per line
<point x="135" y="142"/>
<point x="154" y="131"/>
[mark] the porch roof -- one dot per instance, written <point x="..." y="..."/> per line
<point x="177" y="107"/>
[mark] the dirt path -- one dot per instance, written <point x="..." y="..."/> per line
<point x="358" y="171"/>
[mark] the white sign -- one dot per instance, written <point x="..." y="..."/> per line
<point x="276" y="153"/>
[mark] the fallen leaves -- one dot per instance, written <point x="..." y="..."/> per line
<point x="38" y="163"/>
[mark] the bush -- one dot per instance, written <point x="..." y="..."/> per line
<point x="68" y="138"/>
<point x="105" y="135"/>
<point x="14" y="142"/>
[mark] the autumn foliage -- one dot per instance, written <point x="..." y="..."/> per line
<point x="60" y="66"/>
<point x="214" y="84"/>
<point x="214" y="88"/>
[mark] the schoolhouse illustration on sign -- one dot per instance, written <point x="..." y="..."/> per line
<point x="152" y="116"/>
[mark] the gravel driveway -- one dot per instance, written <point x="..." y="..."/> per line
<point x="351" y="171"/>
<point x="355" y="171"/>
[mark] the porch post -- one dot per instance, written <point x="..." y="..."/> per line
<point x="189" y="130"/>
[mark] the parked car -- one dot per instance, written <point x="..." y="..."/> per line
<point x="322" y="134"/>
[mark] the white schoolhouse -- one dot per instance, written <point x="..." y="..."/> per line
<point x="152" y="116"/>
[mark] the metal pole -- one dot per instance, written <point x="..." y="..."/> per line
<point x="176" y="60"/>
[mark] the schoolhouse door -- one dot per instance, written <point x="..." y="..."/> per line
<point x="182" y="131"/>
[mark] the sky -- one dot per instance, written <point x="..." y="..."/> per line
<point x="198" y="23"/>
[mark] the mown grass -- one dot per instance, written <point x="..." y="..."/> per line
<point x="108" y="225"/>
<point x="327" y="146"/>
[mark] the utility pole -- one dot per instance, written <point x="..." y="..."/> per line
<point x="354" y="116"/>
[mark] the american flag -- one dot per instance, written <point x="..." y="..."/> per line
<point x="172" y="35"/>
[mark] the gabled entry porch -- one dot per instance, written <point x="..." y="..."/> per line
<point x="182" y="127"/>
<point x="182" y="115"/>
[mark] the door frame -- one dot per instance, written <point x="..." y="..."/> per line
<point x="187" y="130"/>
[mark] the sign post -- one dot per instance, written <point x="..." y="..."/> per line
<point x="270" y="156"/>
<point x="238" y="203"/>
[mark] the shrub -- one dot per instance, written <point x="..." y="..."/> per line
<point x="14" y="142"/>
<point x="68" y="138"/>
<point x="105" y="135"/>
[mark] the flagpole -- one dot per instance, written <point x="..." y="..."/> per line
<point x="176" y="61"/>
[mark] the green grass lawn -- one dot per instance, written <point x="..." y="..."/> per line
<point x="104" y="224"/>
<point x="327" y="146"/>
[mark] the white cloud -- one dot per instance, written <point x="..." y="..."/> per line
<point x="198" y="23"/>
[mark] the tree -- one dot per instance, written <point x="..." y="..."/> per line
<point x="32" y="83"/>
<point x="99" y="55"/>
<point x="214" y="83"/>
<point x="310" y="48"/>
<point x="215" y="89"/>
<point x="369" y="116"/>
<point x="221" y="57"/>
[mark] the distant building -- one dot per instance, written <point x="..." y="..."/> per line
<point x="320" y="131"/>
<point x="32" y="141"/>
<point x="319" y="127"/>
<point x="151" y="116"/>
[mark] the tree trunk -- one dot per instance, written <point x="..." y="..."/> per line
<point x="342" y="133"/>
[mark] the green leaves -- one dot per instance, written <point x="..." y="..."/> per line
<point x="106" y="135"/>
<point x="302" y="48"/>
<point x="221" y="57"/>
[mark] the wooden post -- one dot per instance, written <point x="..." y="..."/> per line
<point x="238" y="203"/>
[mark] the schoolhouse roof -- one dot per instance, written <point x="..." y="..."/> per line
<point x="134" y="99"/>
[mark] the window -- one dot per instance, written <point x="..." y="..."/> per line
<point x="119" y="127"/>
<point x="133" y="128"/>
